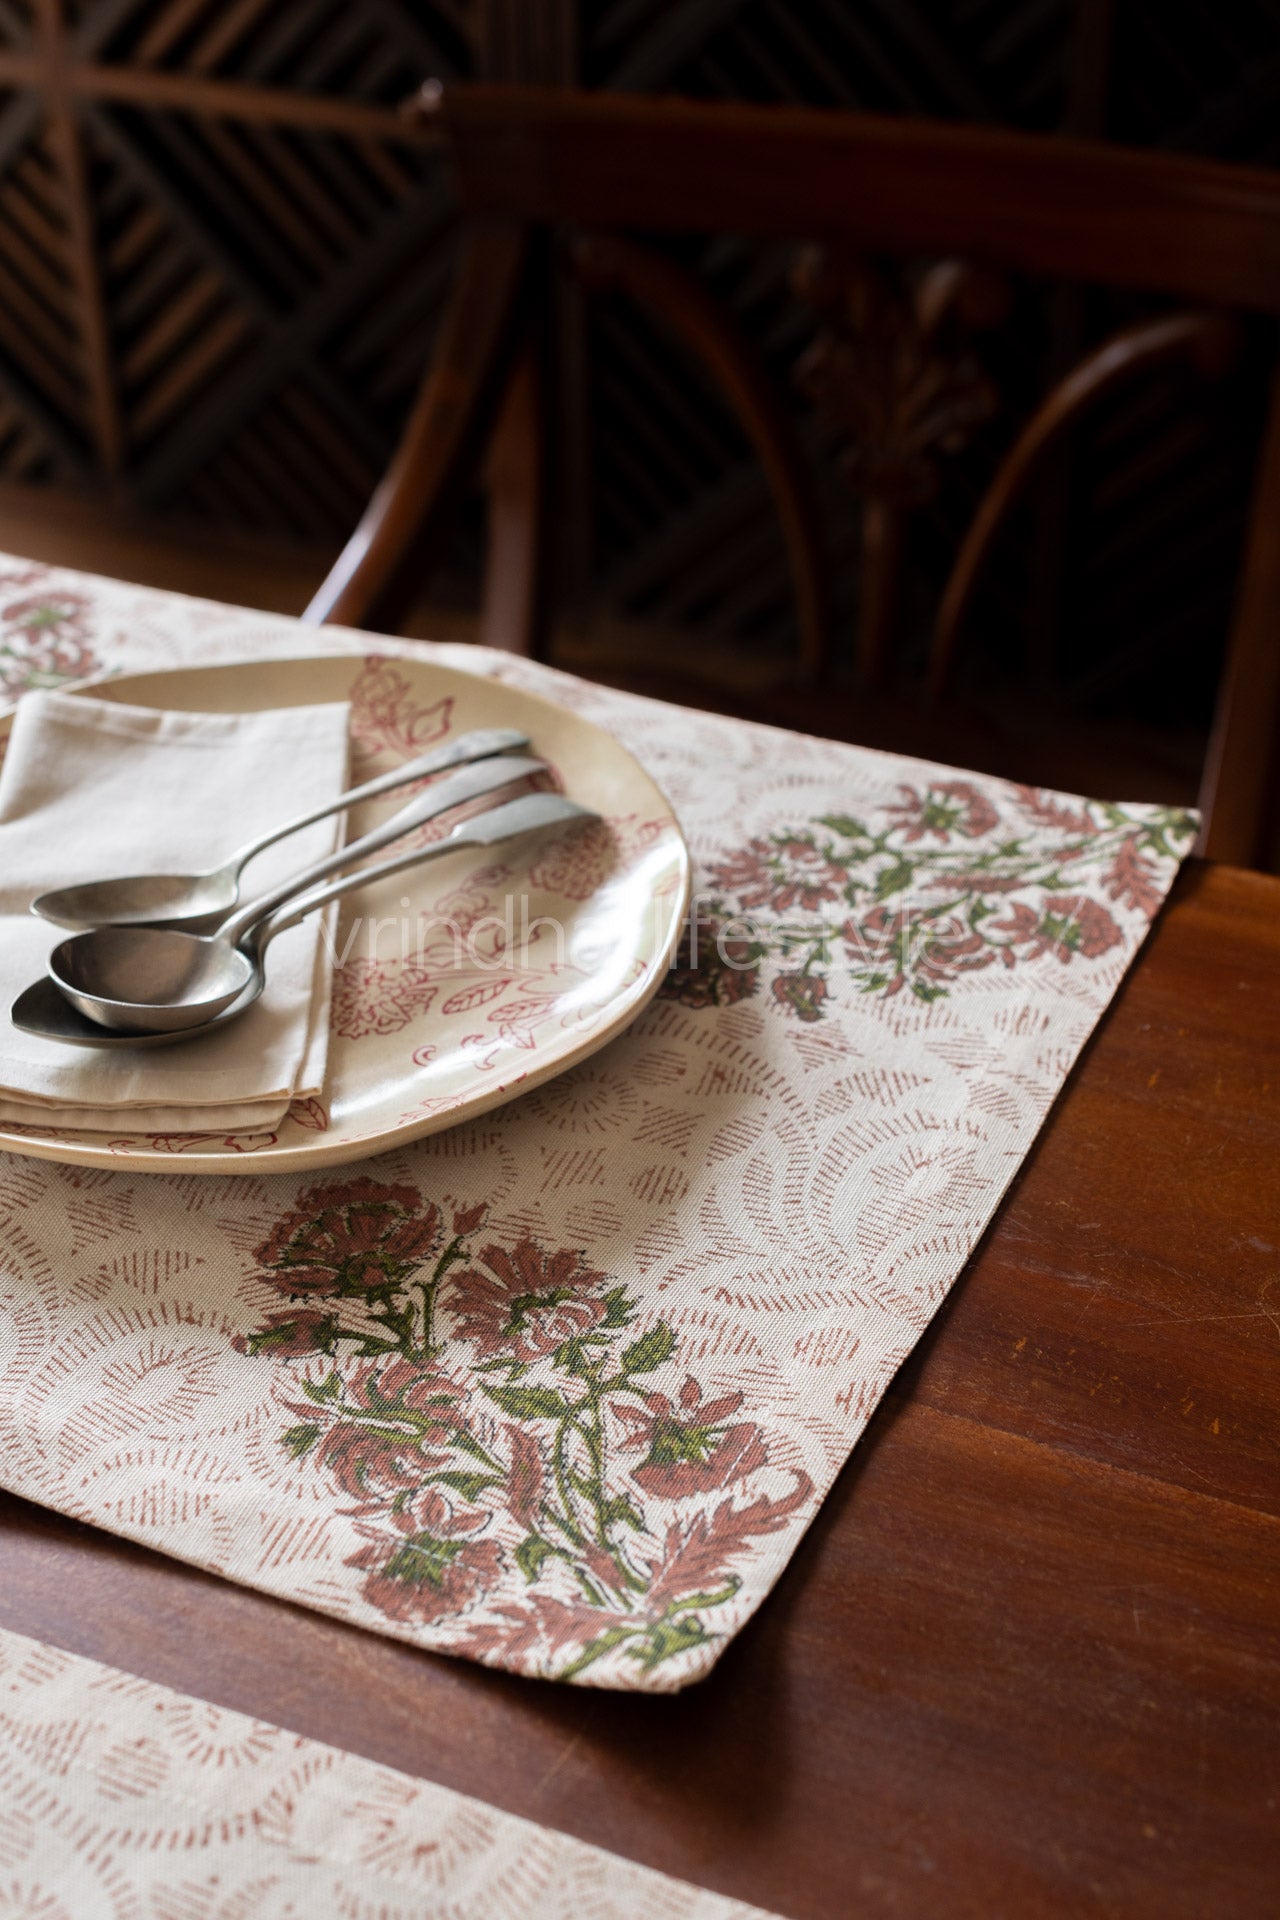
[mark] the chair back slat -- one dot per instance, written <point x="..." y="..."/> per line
<point x="610" y="168"/>
<point x="1073" y="209"/>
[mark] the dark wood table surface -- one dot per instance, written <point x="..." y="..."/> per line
<point x="1027" y="1661"/>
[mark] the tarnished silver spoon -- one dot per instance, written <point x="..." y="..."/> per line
<point x="201" y="982"/>
<point x="149" y="979"/>
<point x="199" y="902"/>
<point x="41" y="1011"/>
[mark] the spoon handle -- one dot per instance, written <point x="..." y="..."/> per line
<point x="484" y="830"/>
<point x="465" y="783"/>
<point x="481" y="744"/>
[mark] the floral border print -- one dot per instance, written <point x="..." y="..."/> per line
<point x="939" y="885"/>
<point x="488" y="1412"/>
<point x="44" y="634"/>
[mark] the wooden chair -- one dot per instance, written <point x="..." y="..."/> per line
<point x="555" y="181"/>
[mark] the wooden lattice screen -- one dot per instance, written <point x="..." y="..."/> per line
<point x="223" y="251"/>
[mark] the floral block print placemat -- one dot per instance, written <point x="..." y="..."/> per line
<point x="119" y="1798"/>
<point x="561" y="1389"/>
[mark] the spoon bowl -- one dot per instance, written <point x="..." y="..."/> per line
<point x="198" y="902"/>
<point x="163" y="979"/>
<point x="175" y="984"/>
<point x="42" y="1011"/>
<point x="151" y="979"/>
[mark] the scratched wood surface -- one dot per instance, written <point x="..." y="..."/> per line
<point x="1028" y="1660"/>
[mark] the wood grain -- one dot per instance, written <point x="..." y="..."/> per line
<point x="1208" y="344"/>
<point x="898" y="384"/>
<point x="1072" y="208"/>
<point x="606" y="262"/>
<point x="220" y="99"/>
<point x="1026" y="1661"/>
<point x="375" y="575"/>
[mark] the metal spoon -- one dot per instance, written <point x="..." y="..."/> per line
<point x="42" y="1011"/>
<point x="158" y="979"/>
<point x="201" y="901"/>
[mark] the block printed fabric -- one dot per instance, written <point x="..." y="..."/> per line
<point x="120" y="1799"/>
<point x="561" y="1389"/>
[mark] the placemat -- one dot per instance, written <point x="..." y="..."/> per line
<point x="119" y="1798"/>
<point x="561" y="1389"/>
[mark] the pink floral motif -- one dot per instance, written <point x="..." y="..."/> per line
<point x="946" y="807"/>
<point x="1096" y="932"/>
<point x="1050" y="810"/>
<point x="498" y="1473"/>
<point x="528" y="1302"/>
<point x="682" y="1576"/>
<point x="802" y="993"/>
<point x="518" y="1019"/>
<point x="540" y="1633"/>
<point x="713" y="967"/>
<point x="480" y="993"/>
<point x="356" y="1237"/>
<point x="467" y="905"/>
<point x="696" y="1549"/>
<point x="193" y="1142"/>
<point x="459" y="950"/>
<point x="1131" y="878"/>
<point x="428" y="1565"/>
<point x="44" y="637"/>
<point x="399" y="1421"/>
<point x="577" y="861"/>
<point x="429" y="1398"/>
<point x="1065" y="926"/>
<point x="786" y="871"/>
<point x="378" y="996"/>
<point x="690" y="1447"/>
<point x="372" y="1466"/>
<point x="526" y="1476"/>
<point x="1001" y="891"/>
<point x="304" y="1330"/>
<point x="385" y="718"/>
<point x="927" y="949"/>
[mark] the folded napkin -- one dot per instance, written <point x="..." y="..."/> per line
<point x="91" y="788"/>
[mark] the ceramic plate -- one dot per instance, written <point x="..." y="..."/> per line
<point x="505" y="968"/>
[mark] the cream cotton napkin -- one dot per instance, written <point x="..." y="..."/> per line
<point x="91" y="788"/>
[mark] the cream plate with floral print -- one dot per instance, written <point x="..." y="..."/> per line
<point x="460" y="987"/>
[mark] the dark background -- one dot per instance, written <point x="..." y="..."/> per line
<point x="221" y="322"/>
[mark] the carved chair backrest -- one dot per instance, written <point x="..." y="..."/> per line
<point x="599" y="172"/>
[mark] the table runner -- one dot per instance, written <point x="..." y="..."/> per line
<point x="664" y="1292"/>
<point x="121" y="1798"/>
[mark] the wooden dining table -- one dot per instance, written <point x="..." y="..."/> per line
<point x="1027" y="1660"/>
